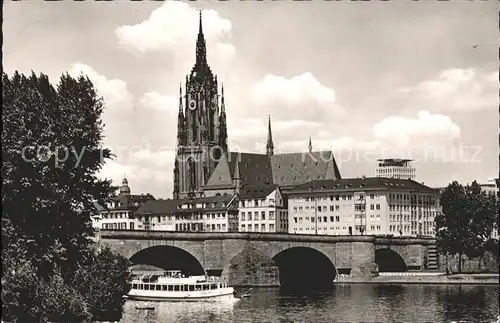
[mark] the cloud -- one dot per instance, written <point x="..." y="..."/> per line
<point x="173" y="27"/>
<point x="457" y="90"/>
<point x="161" y="158"/>
<point x="114" y="91"/>
<point x="157" y="101"/>
<point x="298" y="97"/>
<point x="403" y="131"/>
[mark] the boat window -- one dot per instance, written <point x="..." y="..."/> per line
<point x="141" y="286"/>
<point x="177" y="288"/>
<point x="170" y="288"/>
<point x="186" y="288"/>
<point x="163" y="287"/>
<point x="213" y="286"/>
<point x="198" y="287"/>
<point x="206" y="286"/>
<point x="134" y="286"/>
<point x="158" y="287"/>
<point x="191" y="288"/>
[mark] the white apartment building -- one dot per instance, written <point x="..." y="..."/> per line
<point x="395" y="168"/>
<point x="369" y="206"/>
<point x="262" y="209"/>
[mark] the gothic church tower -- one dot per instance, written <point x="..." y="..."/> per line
<point x="201" y="128"/>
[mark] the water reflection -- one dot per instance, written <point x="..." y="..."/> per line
<point x="178" y="311"/>
<point x="344" y="303"/>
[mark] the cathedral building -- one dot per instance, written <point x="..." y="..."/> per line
<point x="204" y="166"/>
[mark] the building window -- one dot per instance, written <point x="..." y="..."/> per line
<point x="242" y="216"/>
<point x="256" y="216"/>
<point x="263" y="215"/>
<point x="271" y="215"/>
<point x="271" y="227"/>
<point x="378" y="206"/>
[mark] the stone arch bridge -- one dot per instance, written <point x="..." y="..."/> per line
<point x="259" y="259"/>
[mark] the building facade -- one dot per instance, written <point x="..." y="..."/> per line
<point x="199" y="214"/>
<point x="262" y="209"/>
<point x="119" y="213"/>
<point x="395" y="168"/>
<point x="371" y="206"/>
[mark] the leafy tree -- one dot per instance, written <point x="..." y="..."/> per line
<point x="467" y="218"/>
<point x="52" y="152"/>
<point x="103" y="280"/>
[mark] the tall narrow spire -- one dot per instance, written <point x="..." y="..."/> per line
<point x="223" y="106"/>
<point x="201" y="49"/>
<point x="310" y="144"/>
<point x="269" y="145"/>
<point x="180" y="98"/>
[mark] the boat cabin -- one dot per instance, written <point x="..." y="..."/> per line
<point x="180" y="287"/>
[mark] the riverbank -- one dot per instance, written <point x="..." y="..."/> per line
<point x="424" y="278"/>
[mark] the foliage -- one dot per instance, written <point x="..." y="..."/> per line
<point x="52" y="153"/>
<point x="466" y="222"/>
<point x="103" y="279"/>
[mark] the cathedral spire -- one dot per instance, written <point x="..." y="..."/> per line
<point x="269" y="145"/>
<point x="180" y="99"/>
<point x="310" y="144"/>
<point x="201" y="49"/>
<point x="223" y="106"/>
<point x="181" y="135"/>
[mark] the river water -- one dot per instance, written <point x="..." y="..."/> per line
<point x="344" y="303"/>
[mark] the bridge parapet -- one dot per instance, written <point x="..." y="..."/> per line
<point x="249" y="236"/>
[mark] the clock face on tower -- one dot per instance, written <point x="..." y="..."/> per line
<point x="192" y="105"/>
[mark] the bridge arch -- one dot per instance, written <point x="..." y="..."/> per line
<point x="303" y="267"/>
<point x="389" y="260"/>
<point x="168" y="258"/>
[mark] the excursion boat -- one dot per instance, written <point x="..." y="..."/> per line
<point x="172" y="285"/>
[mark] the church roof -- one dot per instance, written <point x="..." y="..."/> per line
<point x="296" y="168"/>
<point x="255" y="169"/>
<point x="286" y="170"/>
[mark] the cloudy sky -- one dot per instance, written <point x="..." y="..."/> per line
<point x="366" y="80"/>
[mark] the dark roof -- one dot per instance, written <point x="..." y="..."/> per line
<point x="363" y="183"/>
<point x="285" y="170"/>
<point x="256" y="191"/>
<point x="255" y="169"/>
<point x="128" y="201"/>
<point x="173" y="206"/>
<point x="297" y="168"/>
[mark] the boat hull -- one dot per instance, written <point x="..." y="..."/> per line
<point x="220" y="296"/>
